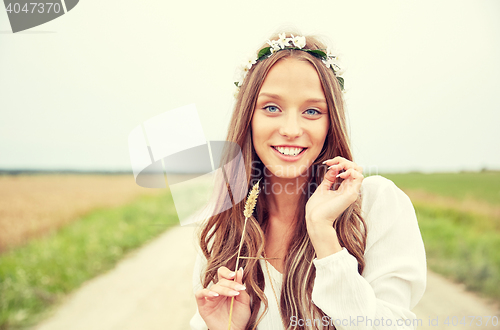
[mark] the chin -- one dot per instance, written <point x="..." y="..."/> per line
<point x="289" y="171"/>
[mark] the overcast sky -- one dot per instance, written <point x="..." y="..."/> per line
<point x="421" y="77"/>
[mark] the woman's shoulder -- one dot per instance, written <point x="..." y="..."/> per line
<point x="375" y="184"/>
<point x="389" y="215"/>
<point x="378" y="189"/>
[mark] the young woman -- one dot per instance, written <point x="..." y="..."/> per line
<point x="325" y="248"/>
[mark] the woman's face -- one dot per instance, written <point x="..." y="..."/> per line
<point x="291" y="119"/>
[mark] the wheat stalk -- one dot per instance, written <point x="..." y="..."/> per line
<point x="247" y="212"/>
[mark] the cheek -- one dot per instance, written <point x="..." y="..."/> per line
<point x="260" y="130"/>
<point x="256" y="134"/>
<point x="254" y="131"/>
<point x="320" y="135"/>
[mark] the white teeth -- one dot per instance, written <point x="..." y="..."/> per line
<point x="289" y="151"/>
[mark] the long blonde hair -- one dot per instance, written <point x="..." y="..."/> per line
<point x="220" y="235"/>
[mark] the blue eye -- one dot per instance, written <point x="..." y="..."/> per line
<point x="312" y="112"/>
<point x="272" y="108"/>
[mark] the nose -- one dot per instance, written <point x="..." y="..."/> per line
<point x="291" y="127"/>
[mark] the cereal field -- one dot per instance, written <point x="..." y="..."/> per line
<point x="31" y="205"/>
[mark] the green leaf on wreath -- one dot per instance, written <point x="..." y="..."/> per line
<point x="264" y="52"/>
<point x="317" y="53"/>
<point x="341" y="82"/>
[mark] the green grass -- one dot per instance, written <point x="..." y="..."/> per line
<point x="464" y="246"/>
<point x="483" y="186"/>
<point x="36" y="276"/>
<point x="459" y="249"/>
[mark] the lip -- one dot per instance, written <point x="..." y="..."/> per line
<point x="289" y="158"/>
<point x="288" y="146"/>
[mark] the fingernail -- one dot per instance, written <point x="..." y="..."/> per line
<point x="324" y="162"/>
<point x="232" y="274"/>
<point x="240" y="287"/>
<point x="234" y="293"/>
<point x="241" y="268"/>
<point x="338" y="175"/>
<point x="215" y="294"/>
<point x="331" y="167"/>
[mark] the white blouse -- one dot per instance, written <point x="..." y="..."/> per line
<point x="392" y="283"/>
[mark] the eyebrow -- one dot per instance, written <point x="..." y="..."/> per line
<point x="276" y="96"/>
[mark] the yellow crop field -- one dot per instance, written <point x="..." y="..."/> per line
<point x="31" y="205"/>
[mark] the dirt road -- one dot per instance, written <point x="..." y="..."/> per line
<point x="151" y="290"/>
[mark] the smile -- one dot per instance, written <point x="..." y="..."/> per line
<point x="289" y="151"/>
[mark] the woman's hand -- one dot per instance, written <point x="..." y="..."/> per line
<point x="326" y="205"/>
<point x="214" y="303"/>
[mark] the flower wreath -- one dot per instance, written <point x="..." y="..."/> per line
<point x="297" y="43"/>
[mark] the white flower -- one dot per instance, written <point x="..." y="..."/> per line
<point x="299" y="41"/>
<point x="336" y="68"/>
<point x="242" y="71"/>
<point x="240" y="77"/>
<point x="236" y="92"/>
<point x="274" y="45"/>
<point x="283" y="41"/>
<point x="240" y="74"/>
<point x="329" y="52"/>
<point x="339" y="71"/>
<point x="249" y="62"/>
<point x="330" y="62"/>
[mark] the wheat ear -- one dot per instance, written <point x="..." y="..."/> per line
<point x="247" y="212"/>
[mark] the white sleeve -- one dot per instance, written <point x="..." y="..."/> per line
<point x="197" y="322"/>
<point x="394" y="277"/>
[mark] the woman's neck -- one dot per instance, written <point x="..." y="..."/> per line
<point x="283" y="196"/>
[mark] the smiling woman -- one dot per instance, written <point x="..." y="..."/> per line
<point x="324" y="246"/>
<point x="290" y="121"/>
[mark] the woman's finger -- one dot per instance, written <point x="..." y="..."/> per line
<point x="205" y="294"/>
<point x="328" y="181"/>
<point x="352" y="181"/>
<point x="344" y="164"/>
<point x="229" y="288"/>
<point x="224" y="272"/>
<point x="243" y="297"/>
<point x="226" y="285"/>
<point x="224" y="291"/>
<point x="233" y="285"/>
<point x="335" y="171"/>
<point x="341" y="160"/>
<point x="350" y="173"/>
<point x="334" y="161"/>
<point x="239" y="276"/>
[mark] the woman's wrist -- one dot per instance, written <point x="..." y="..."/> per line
<point x="324" y="238"/>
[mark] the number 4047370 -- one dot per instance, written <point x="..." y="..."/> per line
<point x="471" y="321"/>
<point x="34" y="7"/>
